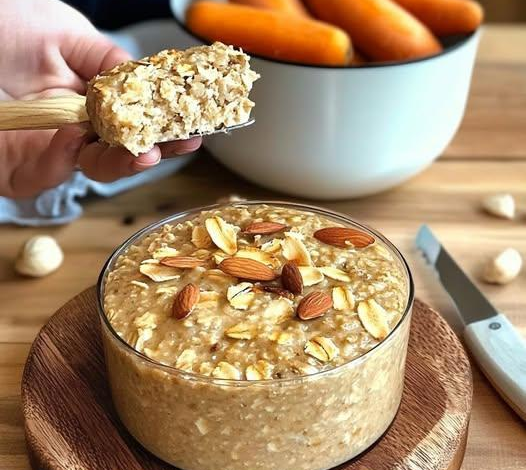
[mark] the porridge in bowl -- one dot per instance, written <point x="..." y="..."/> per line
<point x="256" y="335"/>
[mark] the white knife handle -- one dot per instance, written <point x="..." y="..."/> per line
<point x="501" y="354"/>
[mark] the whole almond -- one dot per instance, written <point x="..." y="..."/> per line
<point x="246" y="268"/>
<point x="313" y="305"/>
<point x="185" y="301"/>
<point x="264" y="228"/>
<point x="342" y="237"/>
<point x="181" y="262"/>
<point x="291" y="278"/>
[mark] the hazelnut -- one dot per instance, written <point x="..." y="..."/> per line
<point x="39" y="256"/>
<point x="500" y="205"/>
<point x="502" y="269"/>
<point x="230" y="198"/>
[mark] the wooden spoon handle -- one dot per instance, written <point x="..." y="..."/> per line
<point x="49" y="113"/>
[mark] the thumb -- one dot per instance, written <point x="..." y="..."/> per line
<point x="53" y="165"/>
<point x="90" y="54"/>
<point x="58" y="161"/>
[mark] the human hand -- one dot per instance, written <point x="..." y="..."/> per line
<point x="51" y="49"/>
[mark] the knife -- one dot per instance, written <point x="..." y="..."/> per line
<point x="495" y="344"/>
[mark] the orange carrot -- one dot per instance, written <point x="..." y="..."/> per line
<point x="380" y="28"/>
<point x="292" y="7"/>
<point x="269" y="33"/>
<point x="446" y="16"/>
<point x="357" y="58"/>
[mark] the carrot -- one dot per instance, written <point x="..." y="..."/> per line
<point x="357" y="58"/>
<point x="270" y="33"/>
<point x="292" y="7"/>
<point x="381" y="29"/>
<point x="446" y="16"/>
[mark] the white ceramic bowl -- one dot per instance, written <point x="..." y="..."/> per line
<point x="328" y="133"/>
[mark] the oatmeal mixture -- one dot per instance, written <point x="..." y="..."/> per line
<point x="255" y="292"/>
<point x="171" y="95"/>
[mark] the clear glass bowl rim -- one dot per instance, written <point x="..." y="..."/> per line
<point x="184" y="215"/>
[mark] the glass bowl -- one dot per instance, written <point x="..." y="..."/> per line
<point x="312" y="422"/>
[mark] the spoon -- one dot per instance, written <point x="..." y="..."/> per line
<point x="52" y="113"/>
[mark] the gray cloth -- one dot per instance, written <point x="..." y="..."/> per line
<point x="61" y="205"/>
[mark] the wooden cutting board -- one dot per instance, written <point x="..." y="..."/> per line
<point x="70" y="422"/>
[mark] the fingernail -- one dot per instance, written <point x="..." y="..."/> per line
<point x="147" y="160"/>
<point x="187" y="146"/>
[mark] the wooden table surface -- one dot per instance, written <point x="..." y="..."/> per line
<point x="487" y="155"/>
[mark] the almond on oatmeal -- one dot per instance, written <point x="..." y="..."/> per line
<point x="344" y="237"/>
<point x="291" y="278"/>
<point x="314" y="305"/>
<point x="247" y="268"/>
<point x="185" y="301"/>
<point x="264" y="228"/>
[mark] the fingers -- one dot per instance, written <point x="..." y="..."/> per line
<point x="102" y="163"/>
<point x="49" y="159"/>
<point x="49" y="93"/>
<point x="60" y="157"/>
<point x="90" y="54"/>
<point x="147" y="160"/>
<point x="180" y="147"/>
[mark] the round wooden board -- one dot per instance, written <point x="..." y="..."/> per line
<point x="70" y="422"/>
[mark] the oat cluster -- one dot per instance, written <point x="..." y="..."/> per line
<point x="170" y="96"/>
<point x="255" y="292"/>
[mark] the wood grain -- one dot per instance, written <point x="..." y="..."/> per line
<point x="70" y="422"/>
<point x="488" y="155"/>
<point x="49" y="113"/>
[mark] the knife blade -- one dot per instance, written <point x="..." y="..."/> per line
<point x="471" y="303"/>
<point x="495" y="344"/>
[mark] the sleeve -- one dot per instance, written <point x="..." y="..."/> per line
<point x="114" y="14"/>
